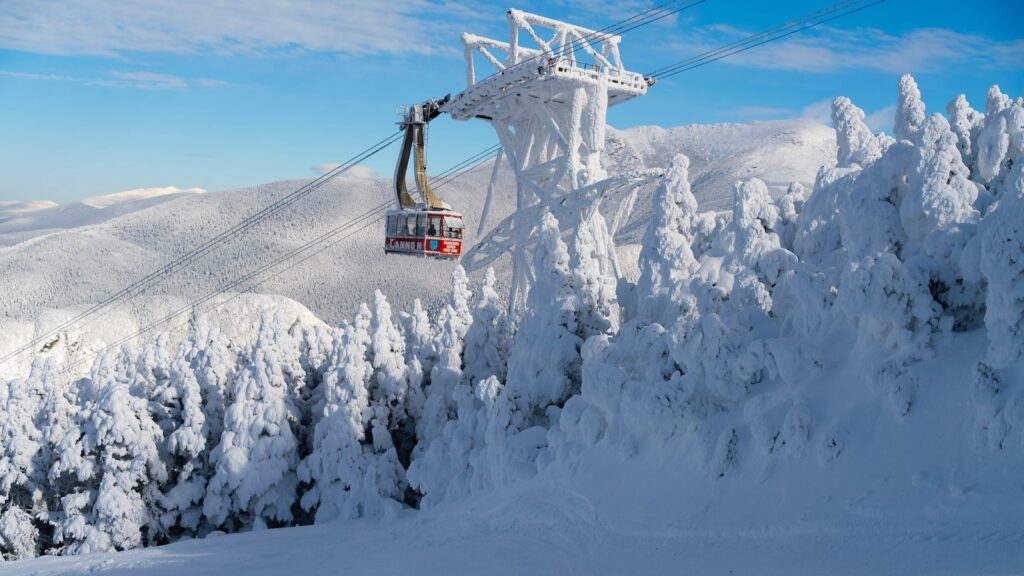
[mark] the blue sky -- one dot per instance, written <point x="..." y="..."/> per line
<point x="100" y="96"/>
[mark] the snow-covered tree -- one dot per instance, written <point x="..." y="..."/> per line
<point x="459" y="299"/>
<point x="939" y="218"/>
<point x="24" y="460"/>
<point x="666" y="258"/>
<point x="544" y="361"/>
<point x="965" y="122"/>
<point x="254" y="478"/>
<point x="420" y="355"/>
<point x="1000" y="142"/>
<point x="446" y="469"/>
<point x="188" y="438"/>
<point x="940" y="192"/>
<point x="19" y="536"/>
<point x="439" y="405"/>
<point x="757" y="245"/>
<point x="857" y="145"/>
<point x="350" y="473"/>
<point x="120" y="441"/>
<point x="487" y="341"/>
<point x="214" y="364"/>
<point x="1002" y="264"/>
<point x="909" y="110"/>
<point x="598" y="309"/>
<point x="390" y="385"/>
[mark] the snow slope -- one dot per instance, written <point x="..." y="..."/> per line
<point x="20" y="221"/>
<point x="909" y="496"/>
<point x="56" y="260"/>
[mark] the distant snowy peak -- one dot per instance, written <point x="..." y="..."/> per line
<point x="138" y="194"/>
<point x="15" y="207"/>
<point x="20" y="221"/>
<point x="778" y="152"/>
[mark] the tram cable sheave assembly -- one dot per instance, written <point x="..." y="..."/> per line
<point x="548" y="103"/>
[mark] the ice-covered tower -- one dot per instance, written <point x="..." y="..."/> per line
<point x="547" y="102"/>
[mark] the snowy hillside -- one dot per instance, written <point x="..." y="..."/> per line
<point x="63" y="259"/>
<point x="20" y="221"/>
<point x="821" y="379"/>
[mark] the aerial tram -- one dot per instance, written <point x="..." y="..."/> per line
<point x="429" y="227"/>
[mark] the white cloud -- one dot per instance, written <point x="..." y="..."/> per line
<point x="825" y="50"/>
<point x="621" y="10"/>
<point x="878" y="121"/>
<point x="122" y="79"/>
<point x="112" y="27"/>
<point x="882" y="120"/>
<point x="357" y="171"/>
<point x="820" y="111"/>
<point x="757" y="112"/>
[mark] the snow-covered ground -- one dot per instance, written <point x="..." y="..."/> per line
<point x="909" y="496"/>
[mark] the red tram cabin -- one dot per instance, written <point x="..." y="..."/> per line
<point x="423" y="233"/>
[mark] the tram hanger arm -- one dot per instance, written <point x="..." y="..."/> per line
<point x="414" y="122"/>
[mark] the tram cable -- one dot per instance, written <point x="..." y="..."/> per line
<point x="833" y="12"/>
<point x="305" y="252"/>
<point x="626" y="25"/>
<point x="140" y="286"/>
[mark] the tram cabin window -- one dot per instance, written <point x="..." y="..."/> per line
<point x="435" y="226"/>
<point x="421" y="225"/>
<point x="454" y="227"/>
<point x="392" y="225"/>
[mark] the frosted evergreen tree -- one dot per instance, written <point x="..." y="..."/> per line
<point x="725" y="310"/>
<point x="1000" y="142"/>
<point x="215" y="365"/>
<point x="666" y="258"/>
<point x="757" y="247"/>
<point x="941" y="193"/>
<point x="334" y="465"/>
<point x="254" y="479"/>
<point x="24" y="460"/>
<point x="75" y="467"/>
<point x="315" y="345"/>
<point x="146" y="369"/>
<point x="459" y="299"/>
<point x="487" y="341"/>
<point x="909" y="110"/>
<point x="390" y="386"/>
<point x="187" y="440"/>
<point x="1002" y="244"/>
<point x="393" y="406"/>
<point x="445" y="470"/>
<point x="544" y="362"/>
<point x="939" y="218"/>
<point x="598" y="308"/>
<point x="439" y="407"/>
<point x="19" y="536"/>
<point x="420" y="355"/>
<point x="350" y="474"/>
<point x="857" y="145"/>
<point x="965" y="122"/>
<point x="121" y="441"/>
<point x="789" y="212"/>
